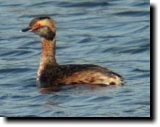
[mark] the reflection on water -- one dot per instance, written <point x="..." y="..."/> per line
<point x="114" y="34"/>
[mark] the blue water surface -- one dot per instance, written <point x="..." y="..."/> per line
<point x="110" y="33"/>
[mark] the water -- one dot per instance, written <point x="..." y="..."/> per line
<point x="110" y="33"/>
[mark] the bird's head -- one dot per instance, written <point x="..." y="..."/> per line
<point x="42" y="26"/>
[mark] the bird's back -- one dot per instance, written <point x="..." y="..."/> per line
<point x="77" y="74"/>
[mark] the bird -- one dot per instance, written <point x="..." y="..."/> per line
<point x="51" y="75"/>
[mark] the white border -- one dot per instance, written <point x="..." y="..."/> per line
<point x="155" y="123"/>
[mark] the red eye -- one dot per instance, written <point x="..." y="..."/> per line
<point x="36" y="26"/>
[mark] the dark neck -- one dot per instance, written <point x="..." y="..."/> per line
<point x="48" y="52"/>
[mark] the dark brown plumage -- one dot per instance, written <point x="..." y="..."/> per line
<point x="51" y="75"/>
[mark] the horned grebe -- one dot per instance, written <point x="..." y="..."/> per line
<point x="51" y="75"/>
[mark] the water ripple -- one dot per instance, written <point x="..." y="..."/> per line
<point x="110" y="33"/>
<point x="100" y="99"/>
<point x="133" y="13"/>
<point x="84" y="4"/>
